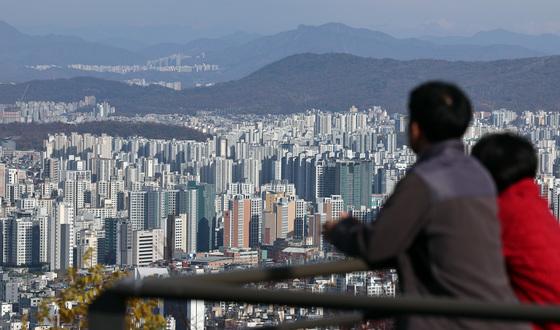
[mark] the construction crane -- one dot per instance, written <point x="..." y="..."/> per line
<point x="24" y="93"/>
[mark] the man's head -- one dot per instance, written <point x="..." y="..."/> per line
<point x="508" y="157"/>
<point x="439" y="111"/>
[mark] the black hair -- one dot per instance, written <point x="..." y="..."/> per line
<point x="508" y="157"/>
<point x="441" y="109"/>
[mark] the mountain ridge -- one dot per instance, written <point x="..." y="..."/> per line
<point x="237" y="55"/>
<point x="340" y="38"/>
<point x="22" y="49"/>
<point x="329" y="82"/>
<point x="547" y="42"/>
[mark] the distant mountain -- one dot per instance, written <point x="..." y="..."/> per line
<point x="339" y="38"/>
<point x="145" y="34"/>
<point x="22" y="49"/>
<point x="330" y="81"/>
<point x="198" y="46"/>
<point x="124" y="43"/>
<point x="237" y="54"/>
<point x="545" y="43"/>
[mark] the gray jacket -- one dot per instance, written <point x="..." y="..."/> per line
<point x="440" y="230"/>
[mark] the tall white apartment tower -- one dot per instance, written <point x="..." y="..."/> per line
<point x="191" y="220"/>
<point x="137" y="209"/>
<point x="222" y="171"/>
<point x="21" y="232"/>
<point x="148" y="246"/>
<point x="61" y="237"/>
<point x="86" y="249"/>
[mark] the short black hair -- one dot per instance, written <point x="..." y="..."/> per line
<point x="508" y="157"/>
<point x="442" y="110"/>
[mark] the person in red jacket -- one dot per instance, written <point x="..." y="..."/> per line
<point x="530" y="232"/>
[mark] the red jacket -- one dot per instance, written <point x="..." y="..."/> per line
<point x="531" y="244"/>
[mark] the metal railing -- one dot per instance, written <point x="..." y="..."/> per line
<point x="108" y="311"/>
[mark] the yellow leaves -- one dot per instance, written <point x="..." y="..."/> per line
<point x="142" y="314"/>
<point x="83" y="288"/>
<point x="43" y="310"/>
<point x="24" y="321"/>
<point x="88" y="254"/>
<point x="72" y="274"/>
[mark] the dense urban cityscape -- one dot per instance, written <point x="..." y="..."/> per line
<point x="254" y="194"/>
<point x="190" y="165"/>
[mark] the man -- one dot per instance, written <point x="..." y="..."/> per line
<point x="440" y="227"/>
<point x="530" y="232"/>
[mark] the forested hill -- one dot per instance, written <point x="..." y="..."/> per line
<point x="329" y="81"/>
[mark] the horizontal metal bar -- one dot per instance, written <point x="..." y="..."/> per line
<point x="380" y="307"/>
<point x="339" y="320"/>
<point x="282" y="273"/>
<point x="97" y="312"/>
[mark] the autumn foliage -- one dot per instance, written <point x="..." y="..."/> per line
<point x="83" y="287"/>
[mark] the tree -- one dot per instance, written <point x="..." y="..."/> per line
<point x="83" y="287"/>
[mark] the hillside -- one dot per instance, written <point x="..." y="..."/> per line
<point x="34" y="134"/>
<point x="22" y="49"/>
<point x="330" y="82"/>
<point x="128" y="99"/>
<point x="337" y="81"/>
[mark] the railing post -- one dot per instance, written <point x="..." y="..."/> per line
<point x="108" y="311"/>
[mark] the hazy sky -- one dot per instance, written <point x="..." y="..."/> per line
<point x="399" y="17"/>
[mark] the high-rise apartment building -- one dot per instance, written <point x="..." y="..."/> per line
<point x="315" y="233"/>
<point x="323" y="180"/>
<point x="137" y="209"/>
<point x="176" y="235"/>
<point x="61" y="237"/>
<point x="86" y="249"/>
<point x="221" y="173"/>
<point x="237" y="222"/>
<point x="2" y="181"/>
<point x="124" y="238"/>
<point x="153" y="209"/>
<point x="285" y="210"/>
<point x="353" y="181"/>
<point x="148" y="246"/>
<point x="331" y="206"/>
<point x="4" y="240"/>
<point x="188" y="205"/>
<point x="21" y="241"/>
<point x="255" y="222"/>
